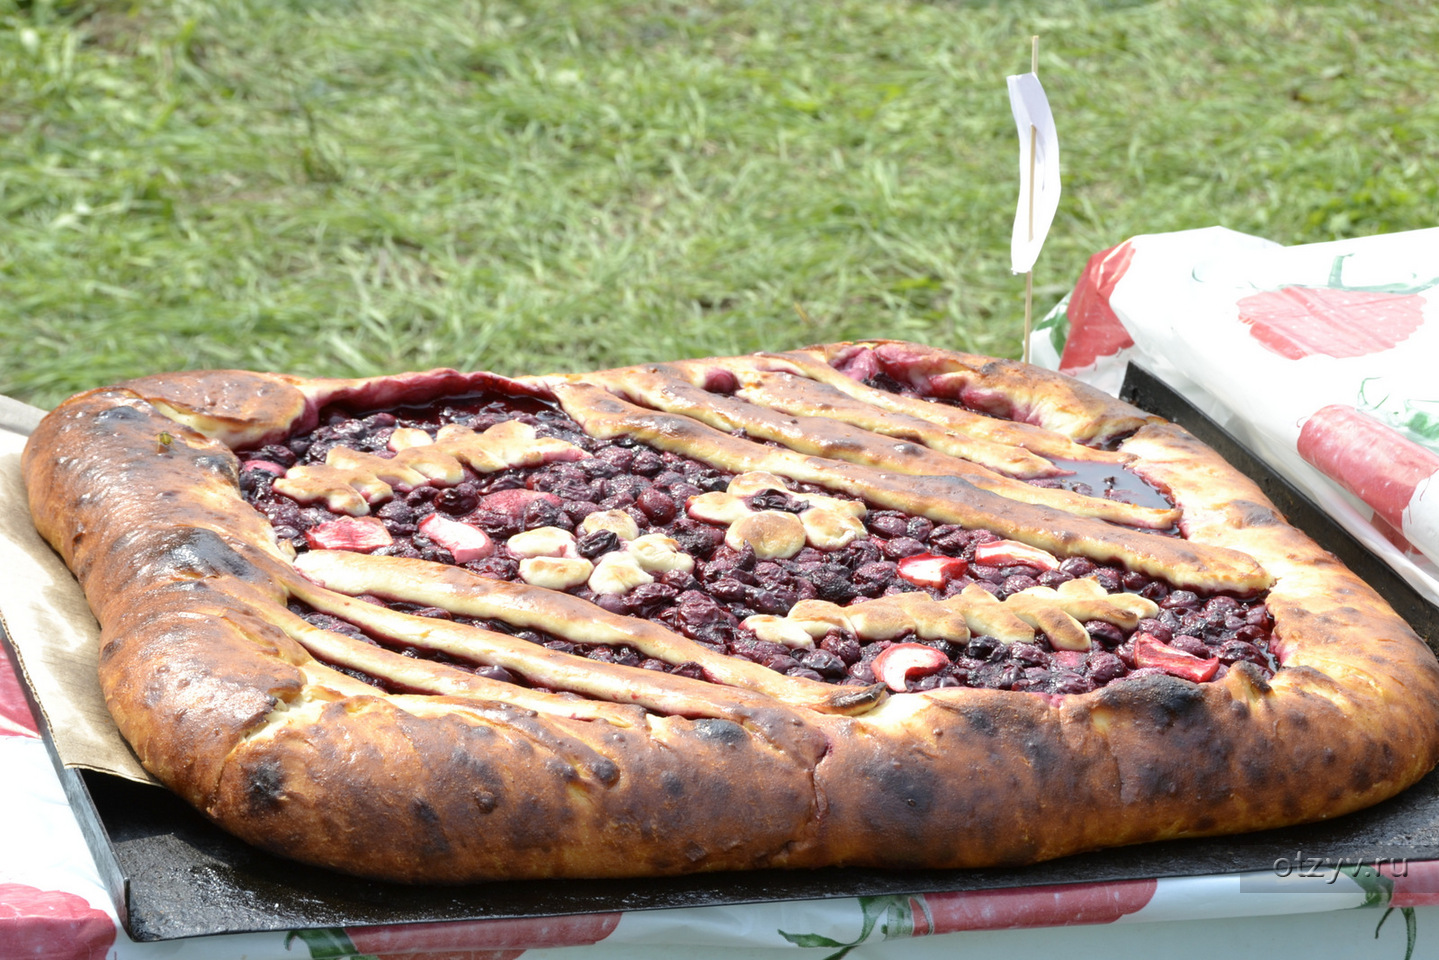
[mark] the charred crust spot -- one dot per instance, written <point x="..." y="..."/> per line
<point x="1168" y="700"/>
<point x="671" y="784"/>
<point x="605" y="771"/>
<point x="980" y="721"/>
<point x="1256" y="771"/>
<point x="121" y="414"/>
<point x="905" y="791"/>
<point x="681" y="430"/>
<point x="265" y="791"/>
<point x="221" y="464"/>
<point x="1156" y="781"/>
<point x="424" y="813"/>
<point x="466" y="765"/>
<point x="153" y="693"/>
<point x="1046" y="759"/>
<point x="486" y="785"/>
<point x="1176" y="698"/>
<point x="561" y="770"/>
<point x="872" y="694"/>
<point x="428" y="818"/>
<point x="1253" y="676"/>
<point x="1247" y="513"/>
<point x="197" y="552"/>
<point x="726" y="732"/>
<point x="1362" y="774"/>
<point x="608" y="405"/>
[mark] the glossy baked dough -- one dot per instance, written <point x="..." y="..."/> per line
<point x="604" y="770"/>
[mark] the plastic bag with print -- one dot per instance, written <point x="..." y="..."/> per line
<point x="1319" y="357"/>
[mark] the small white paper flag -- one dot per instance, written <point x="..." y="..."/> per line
<point x="1036" y="126"/>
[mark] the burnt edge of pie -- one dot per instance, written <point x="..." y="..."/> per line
<point x="217" y="699"/>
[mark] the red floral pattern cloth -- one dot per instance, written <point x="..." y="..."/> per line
<point x="1319" y="357"/>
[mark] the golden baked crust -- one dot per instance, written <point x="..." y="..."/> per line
<point x="237" y="704"/>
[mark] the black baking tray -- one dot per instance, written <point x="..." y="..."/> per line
<point x="173" y="874"/>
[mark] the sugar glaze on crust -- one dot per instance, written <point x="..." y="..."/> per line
<point x="236" y="703"/>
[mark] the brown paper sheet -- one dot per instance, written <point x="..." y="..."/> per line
<point x="45" y="616"/>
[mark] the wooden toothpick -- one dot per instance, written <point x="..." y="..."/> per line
<point x="1029" y="274"/>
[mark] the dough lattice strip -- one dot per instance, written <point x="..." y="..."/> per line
<point x="940" y="498"/>
<point x="798" y="395"/>
<point x="660" y="388"/>
<point x="1001" y="388"/>
<point x="349" y="480"/>
<point x="1010" y="432"/>
<point x="436" y="679"/>
<point x="345" y="574"/>
<point x="1060" y="614"/>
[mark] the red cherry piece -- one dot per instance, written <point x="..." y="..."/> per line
<point x="464" y="542"/>
<point x="361" y="534"/>
<point x="1010" y="553"/>
<point x="931" y="570"/>
<point x="721" y="381"/>
<point x="1149" y="652"/>
<point x="858" y="364"/>
<point x="898" y="663"/>
<point x="513" y="503"/>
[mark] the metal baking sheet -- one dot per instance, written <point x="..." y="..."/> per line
<point x="173" y="874"/>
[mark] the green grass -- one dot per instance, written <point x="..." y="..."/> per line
<point x="356" y="186"/>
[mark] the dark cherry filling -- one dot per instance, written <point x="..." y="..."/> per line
<point x="1108" y="480"/>
<point x="1089" y="479"/>
<point x="727" y="585"/>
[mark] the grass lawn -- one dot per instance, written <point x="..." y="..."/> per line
<point x="356" y="186"/>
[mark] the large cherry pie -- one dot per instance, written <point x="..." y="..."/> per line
<point x="860" y="604"/>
